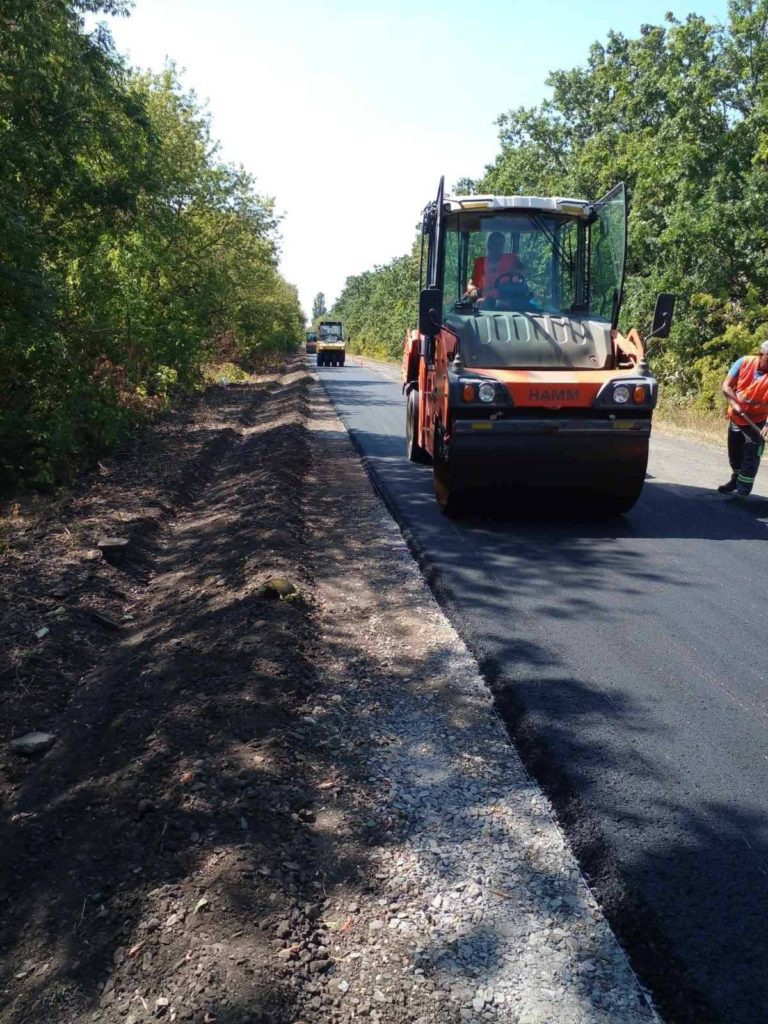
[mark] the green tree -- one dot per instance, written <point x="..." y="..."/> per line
<point x="465" y="187"/>
<point x="379" y="306"/>
<point x="128" y="250"/>
<point x="680" y="113"/>
<point x="318" y="307"/>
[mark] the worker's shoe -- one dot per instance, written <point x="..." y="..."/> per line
<point x="730" y="487"/>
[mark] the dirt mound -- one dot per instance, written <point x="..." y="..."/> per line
<point x="169" y="816"/>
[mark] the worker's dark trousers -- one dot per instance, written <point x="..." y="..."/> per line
<point x="745" y="449"/>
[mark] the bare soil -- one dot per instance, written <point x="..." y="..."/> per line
<point x="154" y="860"/>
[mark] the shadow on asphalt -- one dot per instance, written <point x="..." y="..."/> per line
<point x="448" y="960"/>
<point x="701" y="957"/>
<point x="663" y="511"/>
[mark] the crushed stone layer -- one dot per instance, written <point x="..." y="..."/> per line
<point x="476" y="910"/>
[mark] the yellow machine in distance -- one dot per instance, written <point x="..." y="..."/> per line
<point x="331" y="347"/>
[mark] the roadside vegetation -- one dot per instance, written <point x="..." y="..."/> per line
<point x="680" y="114"/>
<point x="131" y="255"/>
<point x="378" y="306"/>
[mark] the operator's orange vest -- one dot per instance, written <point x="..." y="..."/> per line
<point x="752" y="394"/>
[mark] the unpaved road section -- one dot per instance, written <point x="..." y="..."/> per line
<point x="278" y="791"/>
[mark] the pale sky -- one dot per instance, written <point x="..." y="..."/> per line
<point x="348" y="114"/>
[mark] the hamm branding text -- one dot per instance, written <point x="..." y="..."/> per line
<point x="553" y="394"/>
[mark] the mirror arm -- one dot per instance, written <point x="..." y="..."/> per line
<point x="662" y="319"/>
<point x="642" y="365"/>
<point x="653" y="334"/>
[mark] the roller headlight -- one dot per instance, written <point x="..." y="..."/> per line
<point x="486" y="392"/>
<point x="621" y="394"/>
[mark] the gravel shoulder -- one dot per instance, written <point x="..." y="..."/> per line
<point x="478" y="911"/>
<point x="278" y="790"/>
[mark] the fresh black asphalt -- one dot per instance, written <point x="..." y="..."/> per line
<point x="630" y="663"/>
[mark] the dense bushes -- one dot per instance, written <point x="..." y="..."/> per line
<point x="681" y="114"/>
<point x="377" y="307"/>
<point x="128" y="251"/>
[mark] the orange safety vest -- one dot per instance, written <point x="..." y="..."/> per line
<point x="751" y="392"/>
<point x="508" y="264"/>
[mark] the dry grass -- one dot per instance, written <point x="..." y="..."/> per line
<point x="706" y="426"/>
<point x="20" y="514"/>
<point x="225" y="373"/>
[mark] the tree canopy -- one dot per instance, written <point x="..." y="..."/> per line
<point x="378" y="306"/>
<point x="319" y="307"/>
<point x="129" y="253"/>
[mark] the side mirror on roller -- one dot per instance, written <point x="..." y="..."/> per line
<point x="662" y="316"/>
<point x="430" y="311"/>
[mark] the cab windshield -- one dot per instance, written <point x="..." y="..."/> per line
<point x="528" y="261"/>
<point x="537" y="261"/>
<point x="535" y="288"/>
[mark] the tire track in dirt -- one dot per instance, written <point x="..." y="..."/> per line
<point x="52" y="575"/>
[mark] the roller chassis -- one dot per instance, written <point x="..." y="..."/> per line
<point x="331" y="356"/>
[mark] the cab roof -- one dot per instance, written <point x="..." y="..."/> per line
<point x="550" y="204"/>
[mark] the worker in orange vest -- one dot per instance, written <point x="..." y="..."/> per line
<point x="487" y="269"/>
<point x="746" y="388"/>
